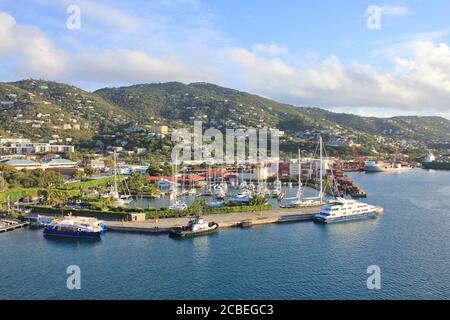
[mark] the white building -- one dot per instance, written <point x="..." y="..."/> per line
<point x="25" y="147"/>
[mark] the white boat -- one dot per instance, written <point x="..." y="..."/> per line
<point x="346" y="210"/>
<point x="40" y="221"/>
<point x="276" y="191"/>
<point x="300" y="200"/>
<point x="123" y="199"/>
<point x="176" y="204"/>
<point x="244" y="196"/>
<point x="379" y="166"/>
<point x="218" y="192"/>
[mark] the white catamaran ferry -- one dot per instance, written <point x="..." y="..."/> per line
<point x="346" y="210"/>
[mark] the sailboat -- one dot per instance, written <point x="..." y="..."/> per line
<point x="114" y="191"/>
<point x="299" y="200"/>
<point x="276" y="192"/>
<point x="175" y="204"/>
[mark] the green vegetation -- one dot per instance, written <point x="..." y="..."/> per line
<point x="16" y="194"/>
<point x="87" y="184"/>
<point x="122" y="215"/>
<point x="107" y="115"/>
<point x="166" y="213"/>
<point x="12" y="178"/>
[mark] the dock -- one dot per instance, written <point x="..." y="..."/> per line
<point x="228" y="220"/>
<point x="10" y="225"/>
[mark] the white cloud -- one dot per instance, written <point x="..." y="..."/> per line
<point x="131" y="66"/>
<point x="270" y="49"/>
<point x="419" y="81"/>
<point x="394" y="10"/>
<point x="35" y="54"/>
<point x="418" y="84"/>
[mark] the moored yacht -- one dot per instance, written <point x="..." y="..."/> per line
<point x="346" y="210"/>
<point x="244" y="196"/>
<point x="73" y="229"/>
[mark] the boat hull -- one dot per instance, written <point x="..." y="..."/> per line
<point x="72" y="234"/>
<point x="368" y="215"/>
<point x="182" y="233"/>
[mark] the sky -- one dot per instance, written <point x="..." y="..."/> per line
<point x="365" y="57"/>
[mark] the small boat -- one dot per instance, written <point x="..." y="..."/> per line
<point x="72" y="229"/>
<point x="40" y="221"/>
<point x="178" y="206"/>
<point x="242" y="197"/>
<point x="196" y="227"/>
<point x="358" y="194"/>
<point x="219" y="192"/>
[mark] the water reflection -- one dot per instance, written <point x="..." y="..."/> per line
<point x="72" y="242"/>
<point x="165" y="201"/>
<point x="348" y="233"/>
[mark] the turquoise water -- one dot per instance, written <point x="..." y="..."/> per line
<point x="290" y="261"/>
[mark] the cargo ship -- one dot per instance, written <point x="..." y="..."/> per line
<point x="430" y="162"/>
<point x="375" y="166"/>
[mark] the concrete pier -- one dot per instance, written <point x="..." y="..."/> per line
<point x="9" y="225"/>
<point x="243" y="219"/>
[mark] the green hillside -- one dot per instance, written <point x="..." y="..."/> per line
<point x="41" y="110"/>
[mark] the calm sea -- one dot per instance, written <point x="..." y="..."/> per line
<point x="410" y="244"/>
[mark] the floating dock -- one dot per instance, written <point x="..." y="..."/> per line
<point x="229" y="220"/>
<point x="10" y="225"/>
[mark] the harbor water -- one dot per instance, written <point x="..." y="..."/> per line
<point x="304" y="260"/>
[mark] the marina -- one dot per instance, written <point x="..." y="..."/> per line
<point x="282" y="260"/>
<point x="161" y="226"/>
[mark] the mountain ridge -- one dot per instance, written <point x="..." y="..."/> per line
<point x="174" y="103"/>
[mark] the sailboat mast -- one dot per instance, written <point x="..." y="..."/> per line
<point x="299" y="192"/>
<point x="116" y="190"/>
<point x="175" y="181"/>
<point x="321" y="168"/>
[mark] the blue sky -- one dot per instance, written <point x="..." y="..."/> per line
<point x="318" y="53"/>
